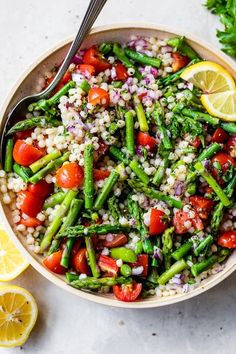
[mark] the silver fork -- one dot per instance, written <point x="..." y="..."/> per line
<point x="94" y="9"/>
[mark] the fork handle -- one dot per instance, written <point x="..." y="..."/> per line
<point x="94" y="9"/>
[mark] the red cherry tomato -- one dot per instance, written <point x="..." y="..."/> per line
<point x="117" y="241"/>
<point x="225" y="161"/>
<point x="41" y="189"/>
<point x="24" y="134"/>
<point x="196" y="142"/>
<point x="127" y="292"/>
<point x="100" y="174"/>
<point x="66" y="78"/>
<point x="144" y="139"/>
<point x="52" y="262"/>
<point x="108" y="265"/>
<point x="179" y="61"/>
<point x="121" y="72"/>
<point x="142" y="95"/>
<point x="230" y="146"/>
<point x="30" y="204"/>
<point x="219" y="136"/>
<point x="31" y="222"/>
<point x="93" y="57"/>
<point x="158" y="222"/>
<point x="86" y="69"/>
<point x="76" y="247"/>
<point x="202" y="205"/>
<point x="98" y="96"/>
<point x="70" y="175"/>
<point x="25" y="154"/>
<point x="181" y="217"/>
<point x="227" y="239"/>
<point x="142" y="260"/>
<point x="79" y="262"/>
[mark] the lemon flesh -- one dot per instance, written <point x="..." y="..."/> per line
<point x="209" y="77"/>
<point x="18" y="314"/>
<point x="221" y="105"/>
<point x="12" y="263"/>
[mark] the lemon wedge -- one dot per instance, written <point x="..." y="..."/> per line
<point x="209" y="77"/>
<point x="12" y="263"/>
<point x="221" y="105"/>
<point x="18" y="314"/>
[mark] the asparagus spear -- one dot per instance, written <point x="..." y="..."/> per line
<point x="179" y="44"/>
<point x="158" y="115"/>
<point x="84" y="85"/>
<point x="118" y="155"/>
<point x="88" y="176"/>
<point x="92" y="257"/>
<point x="92" y="283"/>
<point x="183" y="250"/>
<point x="200" y="116"/>
<point x="51" y="167"/>
<point x="54" y="199"/>
<point x="160" y="172"/>
<point x="24" y="172"/>
<point x="129" y="127"/>
<point x="176" y="268"/>
<point x="143" y="125"/>
<point x="198" y="268"/>
<point x="102" y="196"/>
<point x="37" y="165"/>
<point x="203" y="245"/>
<point x="142" y="58"/>
<point x="73" y="213"/>
<point x="40" y="121"/>
<point x="152" y="193"/>
<point x="54" y="246"/>
<point x="137" y="214"/>
<point x="135" y="167"/>
<point x="8" y="155"/>
<point x="114" y="208"/>
<point x="46" y="105"/>
<point x="167" y="246"/>
<point x="219" y="208"/>
<point x="120" y="54"/>
<point x="229" y="127"/>
<point x="82" y="231"/>
<point x="212" y="183"/>
<point x="105" y="48"/>
<point x="56" y="223"/>
<point x="65" y="259"/>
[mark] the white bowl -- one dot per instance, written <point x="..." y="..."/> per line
<point x="26" y="86"/>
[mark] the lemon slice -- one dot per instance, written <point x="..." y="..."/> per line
<point x="209" y="77"/>
<point x="18" y="314"/>
<point x="12" y="263"/>
<point x="221" y="105"/>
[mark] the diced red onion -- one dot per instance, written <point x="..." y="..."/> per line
<point x="166" y="49"/>
<point x="158" y="254"/>
<point x="77" y="59"/>
<point x="179" y="188"/>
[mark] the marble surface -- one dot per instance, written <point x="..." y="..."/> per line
<point x="67" y="324"/>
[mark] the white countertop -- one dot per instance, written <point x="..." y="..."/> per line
<point x="66" y="323"/>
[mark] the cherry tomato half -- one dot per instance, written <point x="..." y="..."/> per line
<point x="52" y="262"/>
<point x="30" y="204"/>
<point x="70" y="175"/>
<point x="144" y="139"/>
<point x="100" y="174"/>
<point x="202" y="205"/>
<point x="179" y="61"/>
<point x="142" y="260"/>
<point x="196" y="142"/>
<point x="79" y="262"/>
<point x="127" y="292"/>
<point x="108" y="265"/>
<point x="219" y="136"/>
<point x="66" y="78"/>
<point x="121" y="72"/>
<point x="230" y="146"/>
<point x="31" y="222"/>
<point x="25" y="154"/>
<point x="225" y="161"/>
<point x="86" y="69"/>
<point x="98" y="96"/>
<point x="227" y="239"/>
<point x="93" y="57"/>
<point x="158" y="222"/>
<point x="24" y="134"/>
<point x="180" y="222"/>
<point x="41" y="189"/>
<point x="118" y="240"/>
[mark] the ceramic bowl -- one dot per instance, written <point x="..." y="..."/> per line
<point x="26" y="85"/>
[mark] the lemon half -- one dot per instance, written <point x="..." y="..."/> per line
<point x="18" y="314"/>
<point x="221" y="105"/>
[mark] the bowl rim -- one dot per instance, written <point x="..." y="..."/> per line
<point x="155" y="302"/>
